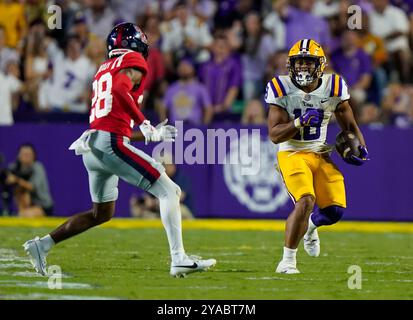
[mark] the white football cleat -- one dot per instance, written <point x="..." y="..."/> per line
<point x="312" y="244"/>
<point x="36" y="254"/>
<point x="189" y="265"/>
<point x="287" y="267"/>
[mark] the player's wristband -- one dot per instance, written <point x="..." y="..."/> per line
<point x="297" y="123"/>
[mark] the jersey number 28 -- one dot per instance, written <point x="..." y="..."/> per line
<point x="102" y="97"/>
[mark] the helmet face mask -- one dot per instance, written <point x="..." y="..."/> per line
<point x="304" y="70"/>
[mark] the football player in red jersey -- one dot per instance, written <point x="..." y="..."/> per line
<point x="108" y="155"/>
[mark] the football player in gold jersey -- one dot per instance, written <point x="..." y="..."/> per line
<point x="301" y="105"/>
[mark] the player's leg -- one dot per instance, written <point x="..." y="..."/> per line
<point x="327" y="216"/>
<point x="169" y="195"/>
<point x="298" y="179"/>
<point x="104" y="192"/>
<point x="331" y="200"/>
<point x="38" y="248"/>
<point x="139" y="169"/>
<point x="103" y="187"/>
<point x="330" y="193"/>
<point x="296" y="224"/>
<point x="101" y="213"/>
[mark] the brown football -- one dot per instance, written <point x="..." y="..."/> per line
<point x="347" y="144"/>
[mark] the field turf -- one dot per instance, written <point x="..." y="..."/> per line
<point x="133" y="263"/>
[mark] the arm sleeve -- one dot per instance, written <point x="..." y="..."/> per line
<point x="121" y="92"/>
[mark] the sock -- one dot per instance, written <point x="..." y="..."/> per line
<point x="47" y="242"/>
<point x="311" y="226"/>
<point x="178" y="257"/>
<point x="168" y="194"/>
<point x="289" y="254"/>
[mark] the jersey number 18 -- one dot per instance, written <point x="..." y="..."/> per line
<point x="306" y="134"/>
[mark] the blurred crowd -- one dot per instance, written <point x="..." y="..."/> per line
<point x="209" y="60"/>
<point x="24" y="186"/>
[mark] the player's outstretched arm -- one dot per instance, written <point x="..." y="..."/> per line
<point x="345" y="118"/>
<point x="280" y="127"/>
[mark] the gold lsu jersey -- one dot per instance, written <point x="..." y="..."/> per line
<point x="281" y="91"/>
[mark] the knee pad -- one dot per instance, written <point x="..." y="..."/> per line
<point x="334" y="213"/>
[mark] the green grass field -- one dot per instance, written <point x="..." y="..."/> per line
<point x="134" y="264"/>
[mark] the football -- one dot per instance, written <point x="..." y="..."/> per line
<point x="347" y="144"/>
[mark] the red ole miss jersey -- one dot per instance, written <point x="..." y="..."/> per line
<point x="115" y="103"/>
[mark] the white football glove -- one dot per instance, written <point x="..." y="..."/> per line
<point x="161" y="132"/>
<point x="168" y="133"/>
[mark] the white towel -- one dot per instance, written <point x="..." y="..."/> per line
<point x="81" y="145"/>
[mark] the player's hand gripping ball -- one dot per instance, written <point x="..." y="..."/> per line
<point x="349" y="148"/>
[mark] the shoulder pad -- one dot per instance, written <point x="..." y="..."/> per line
<point x="336" y="85"/>
<point x="132" y="60"/>
<point x="278" y="86"/>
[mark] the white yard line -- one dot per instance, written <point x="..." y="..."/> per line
<point x="28" y="274"/>
<point x="380" y="263"/>
<point x="12" y="258"/>
<point x="12" y="265"/>
<point x="9" y="260"/>
<point x="296" y="278"/>
<point x="42" y="284"/>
